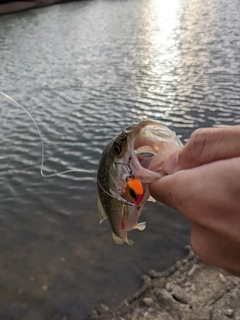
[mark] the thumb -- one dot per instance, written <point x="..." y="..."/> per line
<point x="205" y="146"/>
<point x="170" y="164"/>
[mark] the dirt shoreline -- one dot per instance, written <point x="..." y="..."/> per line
<point x="189" y="290"/>
<point x="13" y="6"/>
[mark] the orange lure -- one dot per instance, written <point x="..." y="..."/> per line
<point x="133" y="191"/>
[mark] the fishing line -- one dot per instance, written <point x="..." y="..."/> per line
<point x="111" y="193"/>
<point x="16" y="104"/>
<point x="114" y="195"/>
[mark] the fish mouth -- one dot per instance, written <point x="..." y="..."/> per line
<point x="145" y="152"/>
<point x="144" y="158"/>
<point x="149" y="143"/>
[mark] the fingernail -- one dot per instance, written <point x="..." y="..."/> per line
<point x="170" y="163"/>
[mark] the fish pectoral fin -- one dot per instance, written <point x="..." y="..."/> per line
<point x="117" y="239"/>
<point x="151" y="199"/>
<point x="101" y="212"/>
<point x="141" y="226"/>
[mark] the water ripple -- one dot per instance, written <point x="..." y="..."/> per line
<point x="84" y="78"/>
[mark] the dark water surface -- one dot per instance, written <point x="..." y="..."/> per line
<point x="86" y="70"/>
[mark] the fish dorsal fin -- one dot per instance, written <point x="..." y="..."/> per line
<point x="151" y="199"/>
<point x="101" y="212"/>
<point x="117" y="239"/>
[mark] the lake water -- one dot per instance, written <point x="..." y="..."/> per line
<point x="85" y="71"/>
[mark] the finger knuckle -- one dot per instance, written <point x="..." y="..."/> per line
<point x="198" y="142"/>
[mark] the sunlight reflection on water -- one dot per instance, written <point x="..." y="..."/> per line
<point x="86" y="70"/>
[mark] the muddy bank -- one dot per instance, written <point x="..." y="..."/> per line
<point x="189" y="290"/>
<point x="12" y="6"/>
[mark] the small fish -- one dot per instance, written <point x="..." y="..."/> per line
<point x="128" y="164"/>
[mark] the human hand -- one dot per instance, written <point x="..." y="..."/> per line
<point x="203" y="183"/>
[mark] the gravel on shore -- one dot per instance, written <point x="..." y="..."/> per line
<point x="189" y="290"/>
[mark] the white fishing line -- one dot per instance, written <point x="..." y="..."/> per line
<point x="111" y="193"/>
<point x="16" y="104"/>
<point x="116" y="196"/>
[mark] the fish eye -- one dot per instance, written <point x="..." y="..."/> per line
<point x="133" y="194"/>
<point x="116" y="148"/>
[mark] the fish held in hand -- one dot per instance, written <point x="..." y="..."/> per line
<point x="129" y="163"/>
